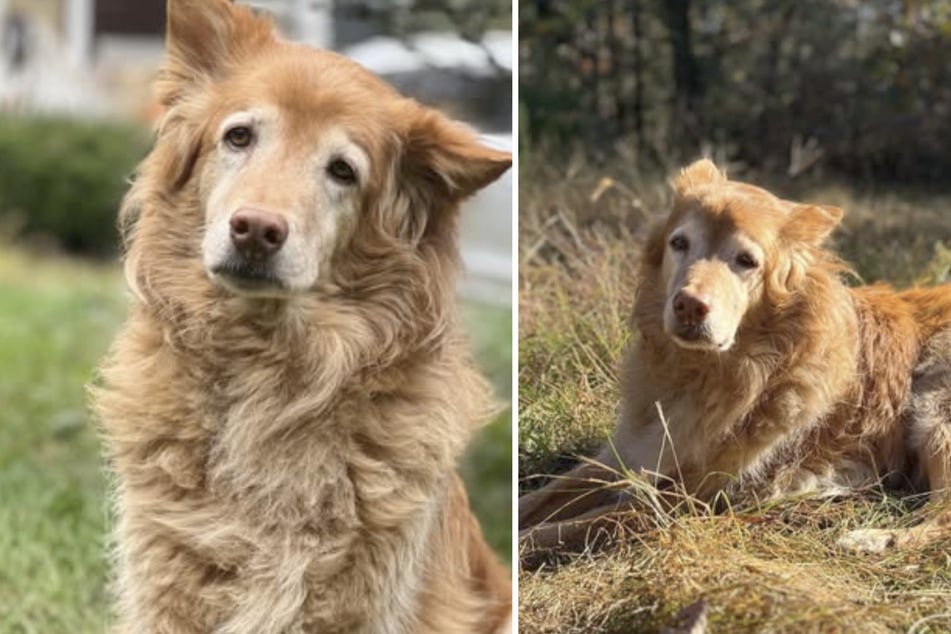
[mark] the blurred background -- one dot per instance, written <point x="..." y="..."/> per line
<point x="844" y="88"/>
<point x="76" y="112"/>
<point x="840" y="102"/>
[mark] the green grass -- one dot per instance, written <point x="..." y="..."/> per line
<point x="769" y="568"/>
<point x="489" y="460"/>
<point x="56" y="319"/>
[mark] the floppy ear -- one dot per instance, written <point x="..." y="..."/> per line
<point x="176" y="157"/>
<point x="448" y="159"/>
<point x="702" y="172"/>
<point x="811" y="224"/>
<point x="203" y="39"/>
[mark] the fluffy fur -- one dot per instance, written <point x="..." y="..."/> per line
<point x="285" y="463"/>
<point x="756" y="370"/>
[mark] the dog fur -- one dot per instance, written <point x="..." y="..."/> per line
<point x="284" y="438"/>
<point x="781" y="381"/>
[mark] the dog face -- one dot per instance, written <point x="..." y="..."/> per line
<point x="275" y="207"/>
<point x="723" y="251"/>
<point x="281" y="155"/>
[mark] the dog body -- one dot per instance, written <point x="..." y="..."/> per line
<point x="758" y="371"/>
<point x="286" y="404"/>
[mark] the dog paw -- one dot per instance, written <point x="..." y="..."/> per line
<point x="867" y="540"/>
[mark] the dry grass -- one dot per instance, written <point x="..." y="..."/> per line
<point x="765" y="570"/>
<point x="760" y="569"/>
<point x="579" y="240"/>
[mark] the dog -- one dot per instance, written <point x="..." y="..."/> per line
<point x="286" y="403"/>
<point x="756" y="370"/>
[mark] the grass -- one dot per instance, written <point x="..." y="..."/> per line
<point x="759" y="568"/>
<point x="56" y="319"/>
<point x="489" y="461"/>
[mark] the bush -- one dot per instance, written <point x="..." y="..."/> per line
<point x="63" y="179"/>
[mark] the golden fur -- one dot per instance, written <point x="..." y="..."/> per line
<point x="286" y="463"/>
<point x="784" y="380"/>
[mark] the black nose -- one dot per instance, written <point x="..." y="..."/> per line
<point x="257" y="234"/>
<point x="689" y="309"/>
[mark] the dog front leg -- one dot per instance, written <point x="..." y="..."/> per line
<point x="589" y="531"/>
<point x="585" y="487"/>
<point x="600" y="481"/>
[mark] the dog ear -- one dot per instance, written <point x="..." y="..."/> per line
<point x="447" y="158"/>
<point x="203" y="39"/>
<point x="176" y="156"/>
<point x="702" y="172"/>
<point x="811" y="224"/>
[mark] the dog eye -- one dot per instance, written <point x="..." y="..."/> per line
<point x="239" y="137"/>
<point x="679" y="243"/>
<point x="746" y="261"/>
<point x="342" y="172"/>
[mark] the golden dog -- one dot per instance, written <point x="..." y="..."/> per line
<point x="758" y="370"/>
<point x="286" y="404"/>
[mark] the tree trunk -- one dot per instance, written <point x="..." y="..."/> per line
<point x="685" y="121"/>
<point x="615" y="63"/>
<point x="637" y="106"/>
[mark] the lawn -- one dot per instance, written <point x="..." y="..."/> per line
<point x="758" y="568"/>
<point x="56" y="319"/>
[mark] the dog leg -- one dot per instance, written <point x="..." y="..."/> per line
<point x="571" y="494"/>
<point x="879" y="540"/>
<point x="595" y="483"/>
<point x="937" y="466"/>
<point x="868" y="540"/>
<point x="589" y="530"/>
<point x="938" y="526"/>
<point x="930" y="434"/>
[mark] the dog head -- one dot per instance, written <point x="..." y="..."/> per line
<point x="727" y="249"/>
<point x="273" y="159"/>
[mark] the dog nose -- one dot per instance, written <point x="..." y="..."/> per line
<point x="690" y="310"/>
<point x="256" y="233"/>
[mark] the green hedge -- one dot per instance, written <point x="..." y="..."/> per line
<point x="63" y="179"/>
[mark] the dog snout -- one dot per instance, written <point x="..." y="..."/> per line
<point x="258" y="234"/>
<point x="689" y="309"/>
